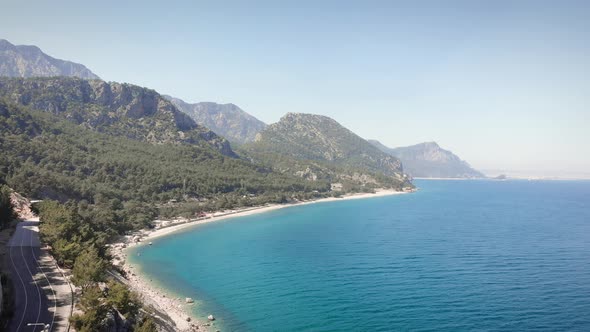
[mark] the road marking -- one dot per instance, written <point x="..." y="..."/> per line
<point x="24" y="288"/>
<point x="52" y="291"/>
<point x="32" y="276"/>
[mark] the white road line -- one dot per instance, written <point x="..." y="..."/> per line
<point x="32" y="276"/>
<point x="50" y="286"/>
<point x="24" y="288"/>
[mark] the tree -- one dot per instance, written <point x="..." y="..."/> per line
<point x="95" y="310"/>
<point x="122" y="299"/>
<point x="6" y="207"/>
<point x="147" y="325"/>
<point x="89" y="269"/>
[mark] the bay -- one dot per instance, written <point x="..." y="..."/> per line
<point x="454" y="256"/>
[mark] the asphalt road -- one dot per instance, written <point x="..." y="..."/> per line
<point x="35" y="280"/>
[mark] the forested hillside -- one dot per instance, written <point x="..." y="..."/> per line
<point x="317" y="147"/>
<point x="47" y="157"/>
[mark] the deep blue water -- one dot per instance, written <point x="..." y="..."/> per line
<point x="455" y="256"/>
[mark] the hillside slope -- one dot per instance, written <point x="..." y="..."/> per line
<point x="335" y="152"/>
<point x="113" y="108"/>
<point x="47" y="157"/>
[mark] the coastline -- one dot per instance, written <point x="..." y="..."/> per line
<point x="168" y="306"/>
<point x="451" y="179"/>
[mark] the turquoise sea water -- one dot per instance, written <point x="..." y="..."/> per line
<point x="455" y="256"/>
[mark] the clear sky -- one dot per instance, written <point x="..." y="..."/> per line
<point x="504" y="84"/>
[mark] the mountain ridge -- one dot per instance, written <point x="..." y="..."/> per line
<point x="227" y="120"/>
<point x="31" y="61"/>
<point x="118" y="109"/>
<point x="429" y="160"/>
<point x="337" y="153"/>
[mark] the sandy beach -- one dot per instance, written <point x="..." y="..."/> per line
<point x="170" y="307"/>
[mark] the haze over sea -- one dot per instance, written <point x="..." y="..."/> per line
<point x="455" y="256"/>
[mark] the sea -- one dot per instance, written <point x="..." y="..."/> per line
<point x="473" y="255"/>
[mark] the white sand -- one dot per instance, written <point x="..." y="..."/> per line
<point x="176" y="308"/>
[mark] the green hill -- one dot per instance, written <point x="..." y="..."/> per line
<point x="316" y="146"/>
<point x="45" y="156"/>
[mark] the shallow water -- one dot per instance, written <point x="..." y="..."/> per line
<point x="455" y="256"/>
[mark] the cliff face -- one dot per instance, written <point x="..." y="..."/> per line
<point x="431" y="161"/>
<point x="118" y="109"/>
<point x="227" y="120"/>
<point x="30" y="61"/>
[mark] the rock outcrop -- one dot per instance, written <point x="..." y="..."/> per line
<point x="22" y="206"/>
<point x="114" y="108"/>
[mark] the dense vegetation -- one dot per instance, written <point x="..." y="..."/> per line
<point x="47" y="157"/>
<point x="6" y="208"/>
<point x="74" y="227"/>
<point x="77" y="235"/>
<point x="316" y="137"/>
<point x="352" y="179"/>
<point x="317" y="147"/>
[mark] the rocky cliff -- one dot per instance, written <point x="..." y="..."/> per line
<point x="117" y="109"/>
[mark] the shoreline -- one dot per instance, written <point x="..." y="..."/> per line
<point x="165" y="302"/>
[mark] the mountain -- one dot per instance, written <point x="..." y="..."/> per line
<point x="46" y="156"/>
<point x="30" y="61"/>
<point x="113" y="108"/>
<point x="429" y="160"/>
<point x="315" y="146"/>
<point x="227" y="120"/>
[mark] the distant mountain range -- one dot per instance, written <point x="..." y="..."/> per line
<point x="312" y="147"/>
<point x="227" y="120"/>
<point x="333" y="150"/>
<point x="30" y="61"/>
<point x="429" y="160"/>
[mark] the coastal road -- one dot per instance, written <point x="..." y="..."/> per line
<point x="43" y="296"/>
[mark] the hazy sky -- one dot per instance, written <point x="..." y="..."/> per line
<point x="504" y="84"/>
